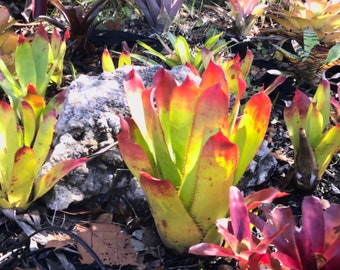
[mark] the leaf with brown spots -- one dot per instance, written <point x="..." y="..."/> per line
<point x="108" y="242"/>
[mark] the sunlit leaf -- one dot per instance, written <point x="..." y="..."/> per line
<point x="23" y="176"/>
<point x="172" y="220"/>
<point x="48" y="180"/>
<point x="107" y="63"/>
<point x="251" y="130"/>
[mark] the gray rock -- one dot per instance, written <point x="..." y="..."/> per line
<point x="260" y="169"/>
<point x="88" y="123"/>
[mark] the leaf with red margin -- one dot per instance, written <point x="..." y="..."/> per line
<point x="25" y="65"/>
<point x="247" y="63"/>
<point x="233" y="72"/>
<point x="166" y="168"/>
<point x="266" y="195"/>
<point x="9" y="145"/>
<point x="36" y="101"/>
<point x="134" y="149"/>
<point x="210" y="116"/>
<point x="182" y="109"/>
<point x="48" y="180"/>
<point x="302" y="102"/>
<point x="107" y="63"/>
<point x="251" y="130"/>
<point x="329" y="146"/>
<point x="124" y="59"/>
<point x="213" y="75"/>
<point x="134" y="88"/>
<point x="20" y="188"/>
<point x="164" y="84"/>
<point x="174" y="224"/>
<point x="44" y="137"/>
<point x="212" y="179"/>
<point x="193" y="69"/>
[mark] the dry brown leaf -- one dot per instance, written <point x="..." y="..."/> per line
<point x="57" y="240"/>
<point x="108" y="242"/>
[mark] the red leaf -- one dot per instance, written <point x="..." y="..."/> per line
<point x="239" y="215"/>
<point x="263" y="196"/>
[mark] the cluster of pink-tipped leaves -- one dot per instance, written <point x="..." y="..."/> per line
<point x="313" y="246"/>
<point x="314" y="141"/>
<point x="240" y="243"/>
<point x="187" y="149"/>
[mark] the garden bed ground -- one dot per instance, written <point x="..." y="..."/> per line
<point x="118" y="215"/>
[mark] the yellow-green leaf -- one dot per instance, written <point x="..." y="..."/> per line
<point x="251" y="130"/>
<point x="23" y="176"/>
<point x="328" y="147"/>
<point x="175" y="226"/>
<point x="107" y="63"/>
<point x="43" y="140"/>
<point x="215" y="173"/>
<point x="9" y="143"/>
<point x="48" y="180"/>
<point x="28" y="119"/>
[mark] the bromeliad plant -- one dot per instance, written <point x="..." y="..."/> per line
<point x="249" y="249"/>
<point x="243" y="14"/>
<point x="312" y="59"/>
<point x="37" y="63"/>
<point x="182" y="54"/>
<point x="321" y="16"/>
<point x="314" y="141"/>
<point x="313" y="26"/>
<point x="186" y="149"/>
<point x="24" y="147"/>
<point x="160" y="13"/>
<point x="315" y="245"/>
<point x="78" y="20"/>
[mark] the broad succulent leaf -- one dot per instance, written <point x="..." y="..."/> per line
<point x="212" y="177"/>
<point x="25" y="64"/>
<point x="175" y="225"/>
<point x="251" y="130"/>
<point x="21" y="184"/>
<point x="10" y="143"/>
<point x="29" y="122"/>
<point x="134" y="149"/>
<point x="44" y="136"/>
<point x="40" y="49"/>
<point x="327" y="148"/>
<point x="179" y="138"/>
<point x="48" y="180"/>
